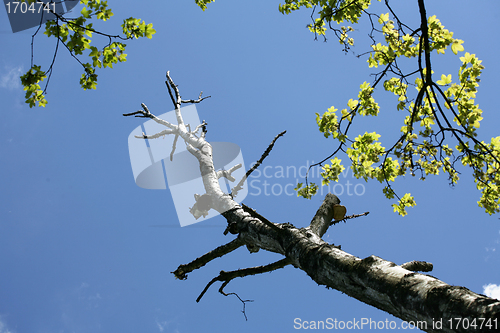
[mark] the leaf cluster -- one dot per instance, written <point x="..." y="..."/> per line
<point x="76" y="36"/>
<point x="438" y="112"/>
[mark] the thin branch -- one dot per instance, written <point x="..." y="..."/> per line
<point x="221" y="290"/>
<point x="174" y="145"/>
<point x="237" y="188"/>
<point x="155" y="136"/>
<point x="171" y="85"/>
<point x="203" y="127"/>
<point x="226" y="277"/>
<point x="353" y="216"/>
<point x="181" y="272"/>
<point x="197" y="100"/>
<point x="228" y="173"/>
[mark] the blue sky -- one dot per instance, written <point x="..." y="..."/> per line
<point x="84" y="249"/>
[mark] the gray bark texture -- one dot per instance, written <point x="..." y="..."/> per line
<point x="408" y="295"/>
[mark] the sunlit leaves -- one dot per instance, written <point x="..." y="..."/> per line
<point x="89" y="78"/>
<point x="203" y="3"/>
<point x="318" y="27"/>
<point x="486" y="172"/>
<point x="406" y="201"/>
<point x="306" y="191"/>
<point x="328" y="123"/>
<point x="332" y="171"/>
<point x="336" y="11"/>
<point x="457" y="46"/>
<point x="135" y="28"/>
<point x="76" y="34"/>
<point x="30" y="82"/>
<point x="367" y="104"/>
<point x="445" y="79"/>
<point x="421" y="149"/>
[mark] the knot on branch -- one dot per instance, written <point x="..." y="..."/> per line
<point x="202" y="205"/>
<point x="253" y="248"/>
<point x="418" y="266"/>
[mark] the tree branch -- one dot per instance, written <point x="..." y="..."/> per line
<point x="181" y="272"/>
<point x="226" y="277"/>
<point x="238" y="187"/>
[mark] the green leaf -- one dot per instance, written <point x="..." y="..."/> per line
<point x="445" y="79"/>
<point x="457" y="46"/>
<point x="383" y="18"/>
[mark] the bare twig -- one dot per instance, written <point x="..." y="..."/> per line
<point x="197" y="100"/>
<point x="350" y="217"/>
<point x="228" y="173"/>
<point x="238" y="187"/>
<point x="226" y="277"/>
<point x="221" y="290"/>
<point x="182" y="270"/>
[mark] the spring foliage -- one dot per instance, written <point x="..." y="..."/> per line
<point x="76" y="35"/>
<point x="437" y="111"/>
<point x="439" y="130"/>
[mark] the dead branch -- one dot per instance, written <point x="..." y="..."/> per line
<point x="226" y="277"/>
<point x="349" y="217"/>
<point x="197" y="100"/>
<point x="221" y="290"/>
<point x="237" y="188"/>
<point x="228" y="173"/>
<point x="181" y="272"/>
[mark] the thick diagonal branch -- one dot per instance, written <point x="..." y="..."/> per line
<point x="383" y="284"/>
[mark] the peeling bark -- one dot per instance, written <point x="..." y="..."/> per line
<point x="403" y="293"/>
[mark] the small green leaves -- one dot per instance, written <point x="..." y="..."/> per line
<point x="30" y="82"/>
<point x="420" y="149"/>
<point x="406" y="201"/>
<point x="318" y="27"/>
<point x="76" y="35"/>
<point x="89" y="78"/>
<point x="306" y="191"/>
<point x="328" y="123"/>
<point x="328" y="13"/>
<point x="203" y="3"/>
<point x="135" y="28"/>
<point x="332" y="172"/>
<point x="352" y="104"/>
